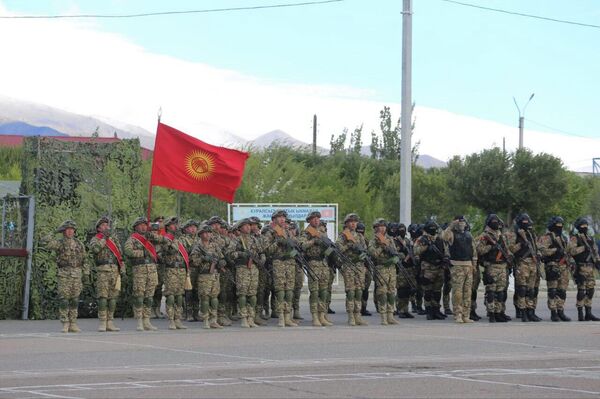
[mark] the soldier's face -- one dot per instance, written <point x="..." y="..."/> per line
<point x="191" y="230"/>
<point x="103" y="227"/>
<point x="280" y="220"/>
<point x="205" y="235"/>
<point x="380" y="229"/>
<point x="141" y="228"/>
<point x="315" y="222"/>
<point x="245" y="229"/>
<point x="69" y="232"/>
<point x="172" y="227"/>
<point x="254" y="228"/>
<point x="352" y="224"/>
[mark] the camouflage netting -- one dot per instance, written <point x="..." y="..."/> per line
<point x="82" y="182"/>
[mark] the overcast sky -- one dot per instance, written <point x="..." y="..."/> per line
<point x="254" y="71"/>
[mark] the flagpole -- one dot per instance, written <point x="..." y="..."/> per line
<point x="150" y="188"/>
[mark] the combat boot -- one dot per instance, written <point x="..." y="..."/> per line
<point x="466" y="319"/>
<point x="140" y="325"/>
<point x="439" y="315"/>
<point x="330" y="311"/>
<point x="503" y="316"/>
<point x="588" y="314"/>
<point x="172" y="325"/>
<point x="180" y="325"/>
<point x="281" y="322"/>
<point x="351" y="320"/>
<point x="259" y="321"/>
<point x="429" y="313"/>
<point x="323" y="320"/>
<point x="364" y="311"/>
<point x="554" y="315"/>
<point x="102" y="321"/>
<point x="224" y="321"/>
<point x="73" y="327"/>
<point x="390" y="318"/>
<point x="214" y="324"/>
<point x="518" y="313"/>
<point x="448" y="312"/>
<point x="492" y="317"/>
<point x="534" y="317"/>
<point x="251" y="322"/>
<point x="524" y="315"/>
<point x="110" y="326"/>
<point x="65" y="328"/>
<point x="359" y="321"/>
<point x="499" y="318"/>
<point x="384" y="321"/>
<point x="287" y="317"/>
<point x="315" y="320"/>
<point x="297" y="315"/>
<point x="562" y="316"/>
<point x="580" y="316"/>
<point x="244" y="323"/>
<point x="474" y="316"/>
<point x="148" y="326"/>
<point x="206" y="325"/>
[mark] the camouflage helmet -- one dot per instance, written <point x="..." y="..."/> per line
<point x="242" y="222"/>
<point x="205" y="228"/>
<point x="67" y="224"/>
<point x="254" y="220"/>
<point x="159" y="218"/>
<point x="190" y="222"/>
<point x="103" y="219"/>
<point x="279" y="212"/>
<point x="172" y="220"/>
<point x="313" y="214"/>
<point x="214" y="219"/>
<point x="138" y="221"/>
<point x="351" y="217"/>
<point x="379" y="222"/>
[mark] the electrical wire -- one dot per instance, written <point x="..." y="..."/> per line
<point x="158" y="13"/>
<point x="520" y="14"/>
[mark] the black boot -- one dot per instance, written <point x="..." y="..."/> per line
<point x="580" y="316"/>
<point x="505" y="316"/>
<point x="413" y="307"/>
<point x="554" y="315"/>
<point x="518" y="313"/>
<point x="474" y="316"/>
<point x="533" y="316"/>
<point x="430" y="315"/>
<point x="364" y="311"/>
<point x="439" y="315"/>
<point x="524" y="315"/>
<point x="329" y="311"/>
<point x="421" y="311"/>
<point x="405" y="315"/>
<point x="448" y="312"/>
<point x="562" y="316"/>
<point x="499" y="318"/>
<point x="492" y="317"/>
<point x="588" y="314"/>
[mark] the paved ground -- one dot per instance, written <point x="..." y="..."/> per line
<point x="414" y="359"/>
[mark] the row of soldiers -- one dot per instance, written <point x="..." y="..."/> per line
<point x="236" y="272"/>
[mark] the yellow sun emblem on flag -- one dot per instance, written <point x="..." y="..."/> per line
<point x="199" y="165"/>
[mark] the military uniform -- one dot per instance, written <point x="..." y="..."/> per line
<point x="206" y="259"/>
<point x="109" y="269"/>
<point x="316" y="251"/>
<point x="385" y="256"/>
<point x="354" y="247"/>
<point x="406" y="279"/>
<point x="226" y="274"/>
<point x="160" y="273"/>
<point x="585" y="252"/>
<point x="70" y="261"/>
<point x="141" y="251"/>
<point x="299" y="278"/>
<point x="189" y="239"/>
<point x="433" y="252"/>
<point x="263" y="276"/>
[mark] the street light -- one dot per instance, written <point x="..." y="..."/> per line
<point x="522" y="119"/>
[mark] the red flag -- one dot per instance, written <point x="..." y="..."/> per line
<point x="185" y="163"/>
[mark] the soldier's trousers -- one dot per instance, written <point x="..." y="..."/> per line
<point x="298" y="283"/>
<point x="354" y="283"/>
<point x="145" y="280"/>
<point x="365" y="292"/>
<point x="174" y="291"/>
<point x="209" y="288"/>
<point x="404" y="290"/>
<point x="495" y="290"/>
<point x="525" y="280"/>
<point x="318" y="288"/>
<point x="330" y="286"/>
<point x="246" y="282"/>
<point x="107" y="295"/>
<point x="193" y="305"/>
<point x="226" y="296"/>
<point x="284" y="279"/>
<point x="584" y="278"/>
<point x="462" y="283"/>
<point x="386" y="289"/>
<point x="69" y="289"/>
<point x="446" y="290"/>
<point x="557" y="281"/>
<point x="432" y="279"/>
<point x="475" y="287"/>
<point x="158" y="294"/>
<point x="261" y="290"/>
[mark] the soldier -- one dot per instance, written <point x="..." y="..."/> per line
<point x="226" y="296"/>
<point x="463" y="258"/>
<point x="206" y="259"/>
<point x="188" y="239"/>
<point x="385" y="255"/>
<point x="553" y="247"/>
<point x="405" y="280"/>
<point x="175" y="258"/>
<point x="495" y="257"/>
<point x="316" y="250"/>
<point x="280" y="246"/>
<point x="246" y="258"/>
<point x="110" y="269"/>
<point x="360" y="229"/>
<point x="585" y="252"/>
<point x="263" y="274"/>
<point x="415" y="231"/>
<point x="159" y="227"/>
<point x="354" y="247"/>
<point x="140" y="249"/>
<point x="70" y="261"/>
<point x="331" y="262"/>
<point x="523" y="244"/>
<point x="434" y="255"/>
<point x="299" y="279"/>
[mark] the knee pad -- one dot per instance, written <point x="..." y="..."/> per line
<point x="350" y="295"/>
<point x="112" y="304"/>
<point x="551" y="293"/>
<point x="170" y="300"/>
<point x="148" y="301"/>
<point x="521" y="291"/>
<point x="428" y="295"/>
<point x="580" y="295"/>
<point x="214" y="303"/>
<point x="179" y="300"/>
<point x="138" y="301"/>
<point x="531" y="293"/>
<point x="102" y="304"/>
<point x="590" y="293"/>
<point x="63" y="303"/>
<point x="562" y="294"/>
<point x="490" y="296"/>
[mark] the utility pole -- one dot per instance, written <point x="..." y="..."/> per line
<point x="314" y="148"/>
<point x="522" y="119"/>
<point x="406" y="117"/>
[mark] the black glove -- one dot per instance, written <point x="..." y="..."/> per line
<point x="559" y="252"/>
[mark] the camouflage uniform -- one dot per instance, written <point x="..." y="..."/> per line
<point x="226" y="275"/>
<point x="70" y="261"/>
<point x="189" y="240"/>
<point x="553" y="248"/>
<point x="585" y="252"/>
<point x="405" y="282"/>
<point x="432" y="271"/>
<point x="316" y="252"/>
<point x="145" y="275"/>
<point x="462" y="260"/>
<point x="279" y="247"/>
<point x="206" y="259"/>
<point x="160" y="273"/>
<point x="354" y="247"/>
<point x="107" y="276"/>
<point x="385" y="256"/>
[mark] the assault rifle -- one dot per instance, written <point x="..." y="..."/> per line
<point x="530" y="249"/>
<point x="431" y="245"/>
<point x="213" y="262"/>
<point x="498" y="245"/>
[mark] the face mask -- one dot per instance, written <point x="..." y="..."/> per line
<point x="494" y="225"/>
<point x="402" y="233"/>
<point x="583" y="230"/>
<point x="557" y="230"/>
<point x="431" y="231"/>
<point x="462" y="226"/>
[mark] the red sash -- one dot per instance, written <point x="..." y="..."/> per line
<point x="147" y="244"/>
<point x="113" y="248"/>
<point x="182" y="250"/>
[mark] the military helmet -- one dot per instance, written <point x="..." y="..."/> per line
<point x="555" y="220"/>
<point x="351" y="217"/>
<point x="431" y="227"/>
<point x="279" y="212"/>
<point x="491" y="217"/>
<point x="242" y="222"/>
<point x="254" y="220"/>
<point x="172" y="220"/>
<point x="67" y="224"/>
<point x="215" y="219"/>
<point x="205" y="228"/>
<point x="159" y="218"/>
<point x="140" y="220"/>
<point x="393" y="229"/>
<point x="190" y="222"/>
<point x="103" y="219"/>
<point x="313" y="214"/>
<point x="523" y="220"/>
<point x="580" y="221"/>
<point x="379" y="222"/>
<point x="360" y="227"/>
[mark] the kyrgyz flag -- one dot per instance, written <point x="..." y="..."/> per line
<point x="185" y="163"/>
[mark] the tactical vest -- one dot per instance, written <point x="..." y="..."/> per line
<point x="492" y="255"/>
<point x="554" y="244"/>
<point x="431" y="256"/>
<point x="462" y="246"/>
<point x="520" y="254"/>
<point x="583" y="257"/>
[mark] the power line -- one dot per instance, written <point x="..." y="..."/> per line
<point x="153" y="14"/>
<point x="558" y="130"/>
<point x="563" y="21"/>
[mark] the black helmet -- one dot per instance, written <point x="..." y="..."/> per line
<point x="431" y="227"/>
<point x="581" y="221"/>
<point x="393" y="229"/>
<point x="554" y="221"/>
<point x="523" y="221"/>
<point x="360" y="228"/>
